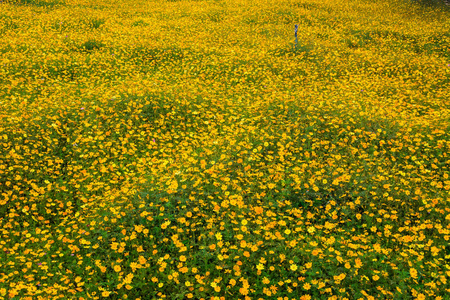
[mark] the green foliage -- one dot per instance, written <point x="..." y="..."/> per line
<point x="186" y="153"/>
<point x="37" y="3"/>
<point x="139" y="23"/>
<point x="95" y="23"/>
<point x="91" y="45"/>
<point x="432" y="3"/>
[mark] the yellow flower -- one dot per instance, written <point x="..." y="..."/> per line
<point x="117" y="268"/>
<point x="294" y="267"/>
<point x="165" y="224"/>
<point x="375" y="277"/>
<point x="138" y="228"/>
<point x="434" y="250"/>
<point x="105" y="294"/>
<point x="243" y="291"/>
<point x="142" y="260"/>
<point x="358" y="263"/>
<point x="340" y="277"/>
<point x="306" y="286"/>
<point x="114" y="245"/>
<point x="134" y="266"/>
<point x="421" y="297"/>
<point x="311" y="229"/>
<point x="182" y="258"/>
<point x="128" y="278"/>
<point x="260" y="267"/>
<point x="258" y="210"/>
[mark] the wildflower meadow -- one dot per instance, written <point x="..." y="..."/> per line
<point x="224" y="149"/>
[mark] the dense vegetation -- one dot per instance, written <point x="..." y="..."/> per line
<point x="189" y="149"/>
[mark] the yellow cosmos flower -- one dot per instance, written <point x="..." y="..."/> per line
<point x="413" y="273"/>
<point x="142" y="260"/>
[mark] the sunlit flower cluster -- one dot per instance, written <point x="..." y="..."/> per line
<point x="187" y="149"/>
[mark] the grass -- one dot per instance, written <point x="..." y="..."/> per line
<point x="35" y="3"/>
<point x="189" y="150"/>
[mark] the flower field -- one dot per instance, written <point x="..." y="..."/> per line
<point x="192" y="150"/>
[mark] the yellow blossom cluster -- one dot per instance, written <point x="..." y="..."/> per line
<point x="193" y="149"/>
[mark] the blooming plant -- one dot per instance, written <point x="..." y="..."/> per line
<point x="142" y="159"/>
